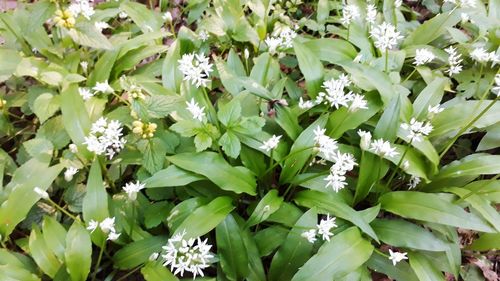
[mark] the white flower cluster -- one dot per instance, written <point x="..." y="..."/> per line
<point x="343" y="162"/>
<point x="323" y="228"/>
<point x="82" y="7"/>
<point x="414" y="181"/>
<point x="132" y="189"/>
<point x="396" y="257"/>
<point x="371" y="13"/>
<point x="417" y="129"/>
<point x="271" y="143"/>
<point x="423" y="56"/>
<point x="496" y="89"/>
<point x="69" y="173"/>
<point x="283" y="41"/>
<point x="100" y="87"/>
<point x="349" y="13"/>
<point x="463" y="3"/>
<point x="482" y="56"/>
<point x="385" y="35"/>
<point x="107" y="226"/>
<point x="380" y="147"/>
<point x="196" y="69"/>
<point x="191" y="255"/>
<point x="195" y="110"/>
<point x="336" y="96"/>
<point x="203" y="35"/>
<point x="454" y="61"/>
<point x="105" y="138"/>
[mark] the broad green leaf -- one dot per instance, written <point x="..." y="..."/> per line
<point x="54" y="235"/>
<point x="255" y="267"/>
<point x="78" y="255"/>
<point x="75" y="118"/>
<point x="325" y="202"/>
<point x="22" y="197"/>
<point x="431" y="208"/>
<point x="300" y="150"/>
<point x="432" y="29"/>
<point x="45" y="106"/>
<point x="170" y="74"/>
<point x="331" y="50"/>
<point x="138" y="252"/>
<point x="155" y="271"/>
<point x="42" y="254"/>
<point x="102" y="68"/>
<point x="388" y="124"/>
<point x="401" y="271"/>
<point x="471" y="165"/>
<point x="10" y="60"/>
<point x="9" y="272"/>
<point x="400" y="233"/>
<point x="217" y="170"/>
<point x="288" y="120"/>
<point x="231" y="249"/>
<point x="85" y="33"/>
<point x="172" y="176"/>
<point x="336" y="258"/>
<point x="269" y="239"/>
<point x="310" y="66"/>
<point x="231" y="144"/>
<point x="486" y="242"/>
<point x="429" y="96"/>
<point x="229" y="113"/>
<point x="269" y="204"/>
<point x="182" y="210"/>
<point x="294" y="251"/>
<point x="198" y="223"/>
<point x="265" y="70"/>
<point x="424" y="268"/>
<point x="147" y="19"/>
<point x="154" y="152"/>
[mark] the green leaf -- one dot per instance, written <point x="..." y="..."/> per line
<point x="172" y="176"/>
<point x="231" y="249"/>
<point x="288" y="120"/>
<point x="10" y="272"/>
<point x="424" y="268"/>
<point x="75" y="118"/>
<point x="22" y="197"/>
<point x="55" y="236"/>
<point x="202" y="141"/>
<point x="155" y="271"/>
<point x="255" y="267"/>
<point x="400" y="233"/>
<point x="328" y="203"/>
<point x="429" y="96"/>
<point x="331" y="50"/>
<point x="341" y="255"/>
<point x="486" y="242"/>
<point x="294" y="251"/>
<point x="45" y="106"/>
<point x="310" y="66"/>
<point x="154" y="152"/>
<point x="401" y="271"/>
<point x="138" y="252"/>
<point x="85" y="33"/>
<point x="78" y="253"/>
<point x="170" y="74"/>
<point x="471" y="165"/>
<point x="431" y="208"/>
<point x="147" y="20"/>
<point x="217" y="170"/>
<point x="198" y="223"/>
<point x="432" y="29"/>
<point x="95" y="201"/>
<point x="231" y="144"/>
<point x="102" y="68"/>
<point x="269" y="204"/>
<point x="229" y="113"/>
<point x="42" y="254"/>
<point x="161" y="106"/>
<point x="388" y="124"/>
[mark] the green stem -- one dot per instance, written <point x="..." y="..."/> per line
<point x="132" y="218"/>
<point x="129" y="273"/>
<point x="479" y="79"/>
<point x="62" y="210"/>
<point x="399" y="164"/>
<point x="96" y="267"/>
<point x="476" y="191"/>
<point x="413" y="72"/>
<point x="284" y="159"/>
<point x="348" y="31"/>
<point x="338" y="125"/>
<point x="386" y="60"/>
<point x="211" y="109"/>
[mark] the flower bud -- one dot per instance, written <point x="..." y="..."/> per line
<point x="167" y="17"/>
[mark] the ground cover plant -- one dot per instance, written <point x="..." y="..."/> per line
<point x="250" y="140"/>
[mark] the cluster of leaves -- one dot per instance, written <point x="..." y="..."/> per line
<point x="214" y="176"/>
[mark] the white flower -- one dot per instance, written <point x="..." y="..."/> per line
<point x="325" y="226"/>
<point x="496" y="89"/>
<point x="463" y="3"/>
<point x="195" y="110"/>
<point x="123" y="15"/>
<point x="336" y="181"/>
<point x="482" y="56"/>
<point x="132" y="188"/>
<point x="366" y="139"/>
<point x="335" y="95"/>
<point x="423" y="56"/>
<point x="434" y="110"/>
<point x="305" y="104"/>
<point x="69" y="173"/>
<point x="167" y="16"/>
<point x="398" y="3"/>
<point x="327" y="146"/>
<point x="357" y="102"/>
<point x="203" y="35"/>
<point x="191" y="255"/>
<point x="108" y="225"/>
<point x="42" y="193"/>
<point x="349" y="13"/>
<point x="383" y="148"/>
<point x="272" y="44"/>
<point x="464" y="17"/>
<point x="417" y="129"/>
<point x="100" y="25"/>
<point x="454" y="61"/>
<point x="154" y="256"/>
<point x="105" y="138"/>
<point x="93" y="225"/>
<point x="358" y="58"/>
<point x="406" y="165"/>
<point x="414" y="181"/>
<point x="287" y="35"/>
<point x="82" y="7"/>
<point x="103" y="87"/>
<point x="85" y="93"/>
<point x="283" y="41"/>
<point x="371" y="13"/>
<point x="112" y="236"/>
<point x="310" y="235"/>
<point x="195" y="68"/>
<point x="73" y="148"/>
<point x="396" y="257"/>
<point x="246" y="54"/>
<point x="84" y="66"/>
<point x="385" y="35"/>
<point x="271" y="143"/>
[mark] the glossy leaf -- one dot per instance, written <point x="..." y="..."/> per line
<point x="78" y="255"/>
<point x="231" y="249"/>
<point x="138" y="252"/>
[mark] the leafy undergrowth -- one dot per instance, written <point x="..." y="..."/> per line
<point x="250" y="140"/>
